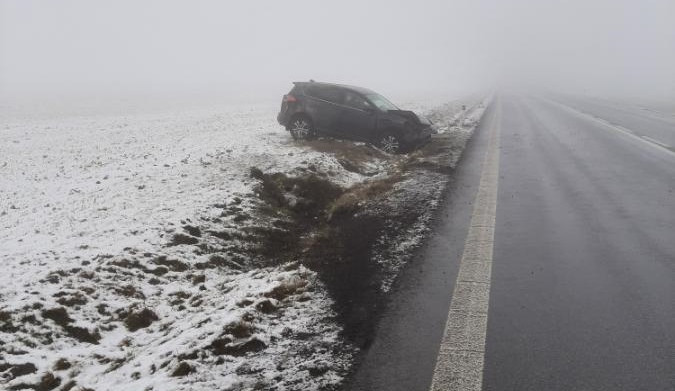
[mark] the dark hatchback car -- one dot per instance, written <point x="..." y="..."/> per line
<point x="311" y="109"/>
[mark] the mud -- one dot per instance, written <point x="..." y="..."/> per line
<point x="140" y="319"/>
<point x="16" y="370"/>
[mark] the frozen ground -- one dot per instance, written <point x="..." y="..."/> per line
<point x="75" y="192"/>
<point x="86" y="186"/>
<point x="109" y="229"/>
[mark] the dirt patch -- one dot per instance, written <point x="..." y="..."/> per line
<point x="130" y="291"/>
<point x="267" y="306"/>
<point x="342" y="257"/>
<point x="126" y="263"/>
<point x="223" y="346"/>
<point x="179" y="239"/>
<point x="16" y="370"/>
<point x="70" y="385"/>
<point x="239" y="329"/>
<point x="140" y="319"/>
<point x="5" y="316"/>
<point x="361" y="194"/>
<point x="298" y="206"/>
<point x="73" y="299"/>
<point x="216" y="261"/>
<point x="193" y="230"/>
<point x="172" y="264"/>
<point x="286" y="288"/>
<point x="83" y="335"/>
<point x="62" y="364"/>
<point x="353" y="157"/>
<point x="305" y="195"/>
<point x="59" y="315"/>
<point x="183" y="369"/>
<point x="47" y="382"/>
<point x="6" y="324"/>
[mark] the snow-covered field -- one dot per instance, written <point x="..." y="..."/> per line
<point x="87" y="186"/>
<point x="98" y="293"/>
<point x="78" y="193"/>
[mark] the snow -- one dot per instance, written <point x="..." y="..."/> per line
<point x="80" y="193"/>
<point x="144" y="352"/>
<point x="90" y="186"/>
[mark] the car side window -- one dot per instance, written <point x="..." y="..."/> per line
<point x="330" y="94"/>
<point x="356" y="101"/>
<point x="310" y="90"/>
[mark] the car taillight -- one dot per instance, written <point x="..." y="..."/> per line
<point x="290" y="99"/>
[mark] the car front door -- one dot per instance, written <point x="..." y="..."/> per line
<point x="358" y="118"/>
<point x="325" y="108"/>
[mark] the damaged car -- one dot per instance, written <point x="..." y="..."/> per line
<point x="314" y="109"/>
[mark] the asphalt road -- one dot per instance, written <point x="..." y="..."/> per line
<point x="644" y="121"/>
<point x="582" y="287"/>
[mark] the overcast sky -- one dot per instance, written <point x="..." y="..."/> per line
<point x="258" y="47"/>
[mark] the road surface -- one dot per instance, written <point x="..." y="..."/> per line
<point x="570" y="285"/>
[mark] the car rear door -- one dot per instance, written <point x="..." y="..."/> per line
<point x="358" y="117"/>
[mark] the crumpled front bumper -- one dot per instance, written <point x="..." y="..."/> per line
<point x="419" y="137"/>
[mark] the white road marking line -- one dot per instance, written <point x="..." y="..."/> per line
<point x="644" y="139"/>
<point x="459" y="365"/>
<point x="656" y="141"/>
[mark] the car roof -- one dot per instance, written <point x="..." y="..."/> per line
<point x="360" y="90"/>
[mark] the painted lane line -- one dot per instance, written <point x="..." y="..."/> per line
<point x="656" y="142"/>
<point x="459" y="365"/>
<point x="644" y="139"/>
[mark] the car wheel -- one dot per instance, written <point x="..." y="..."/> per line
<point x="389" y="143"/>
<point x="301" y="128"/>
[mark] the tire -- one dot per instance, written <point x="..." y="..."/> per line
<point x="390" y="143"/>
<point x="301" y="128"/>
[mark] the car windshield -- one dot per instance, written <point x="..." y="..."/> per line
<point x="381" y="102"/>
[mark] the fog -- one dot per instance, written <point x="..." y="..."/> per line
<point x="255" y="49"/>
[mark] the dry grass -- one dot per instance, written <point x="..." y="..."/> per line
<point x="287" y="288"/>
<point x="351" y="200"/>
<point x="354" y="157"/>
